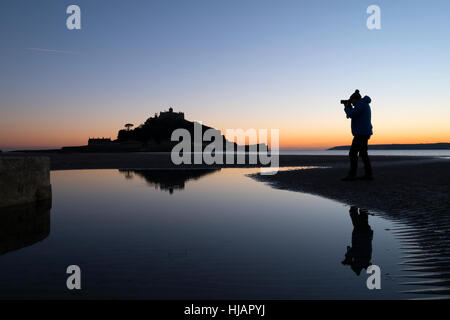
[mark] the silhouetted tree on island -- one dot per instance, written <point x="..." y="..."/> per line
<point x="128" y="126"/>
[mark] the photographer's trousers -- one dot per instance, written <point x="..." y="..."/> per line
<point x="360" y="146"/>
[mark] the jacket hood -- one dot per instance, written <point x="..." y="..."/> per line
<point x="367" y="99"/>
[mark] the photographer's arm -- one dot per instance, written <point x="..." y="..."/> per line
<point x="353" y="112"/>
<point x="347" y="106"/>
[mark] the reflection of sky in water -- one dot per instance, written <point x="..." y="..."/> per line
<point x="223" y="236"/>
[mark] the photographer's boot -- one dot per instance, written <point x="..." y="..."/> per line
<point x="353" y="167"/>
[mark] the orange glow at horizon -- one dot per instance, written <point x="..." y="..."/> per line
<point x="53" y="138"/>
<point x="301" y="129"/>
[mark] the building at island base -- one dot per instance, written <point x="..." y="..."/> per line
<point x="99" y="141"/>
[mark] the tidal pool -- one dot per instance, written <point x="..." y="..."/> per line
<point x="193" y="234"/>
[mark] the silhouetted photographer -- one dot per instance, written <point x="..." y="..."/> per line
<point x="358" y="109"/>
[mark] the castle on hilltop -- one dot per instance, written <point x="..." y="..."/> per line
<point x="170" y="115"/>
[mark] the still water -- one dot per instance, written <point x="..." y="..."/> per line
<point x="192" y="234"/>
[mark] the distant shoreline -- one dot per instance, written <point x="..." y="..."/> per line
<point x="138" y="160"/>
<point x="416" y="146"/>
<point x="381" y="147"/>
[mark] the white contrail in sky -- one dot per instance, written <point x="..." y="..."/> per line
<point x="53" y="51"/>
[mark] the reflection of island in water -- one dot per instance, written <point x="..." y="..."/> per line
<point x="23" y="226"/>
<point x="358" y="256"/>
<point x="168" y="180"/>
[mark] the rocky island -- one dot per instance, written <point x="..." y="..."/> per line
<point x="154" y="135"/>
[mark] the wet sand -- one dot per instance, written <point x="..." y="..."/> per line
<point x="419" y="185"/>
<point x="71" y="161"/>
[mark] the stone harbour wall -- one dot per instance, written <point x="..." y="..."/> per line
<point x="24" y="180"/>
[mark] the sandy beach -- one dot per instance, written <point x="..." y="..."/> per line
<point x="74" y="161"/>
<point x="399" y="186"/>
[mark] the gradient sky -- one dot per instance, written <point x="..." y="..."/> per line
<point x="231" y="64"/>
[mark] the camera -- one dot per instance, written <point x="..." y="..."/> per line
<point x="354" y="97"/>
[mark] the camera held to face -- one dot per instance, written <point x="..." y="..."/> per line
<point x="353" y="98"/>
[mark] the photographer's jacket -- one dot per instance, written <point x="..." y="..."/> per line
<point x="361" y="117"/>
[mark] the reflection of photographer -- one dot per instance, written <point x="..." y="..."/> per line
<point x="358" y="109"/>
<point x="358" y="256"/>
